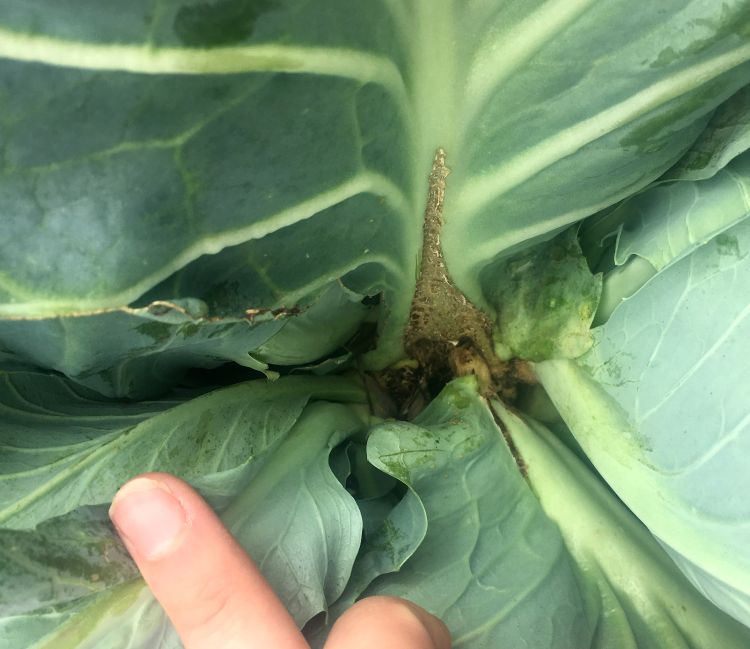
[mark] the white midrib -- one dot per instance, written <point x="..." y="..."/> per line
<point x="236" y="59"/>
<point x="476" y="195"/>
<point x="433" y="91"/>
<point x="497" y="60"/>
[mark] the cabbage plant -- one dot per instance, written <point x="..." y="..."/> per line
<point x="444" y="299"/>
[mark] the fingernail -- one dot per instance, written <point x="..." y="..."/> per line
<point x="149" y="518"/>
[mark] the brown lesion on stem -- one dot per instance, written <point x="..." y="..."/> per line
<point x="447" y="335"/>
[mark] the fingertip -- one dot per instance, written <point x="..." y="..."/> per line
<point x="210" y="589"/>
<point x="150" y="516"/>
<point x="386" y="621"/>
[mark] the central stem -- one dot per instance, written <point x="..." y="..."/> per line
<point x="446" y="334"/>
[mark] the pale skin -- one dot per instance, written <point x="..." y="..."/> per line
<point x="215" y="595"/>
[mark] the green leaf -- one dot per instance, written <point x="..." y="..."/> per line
<point x="142" y="352"/>
<point x="230" y="158"/>
<point x="545" y="301"/>
<point x="64" y="559"/>
<point x="136" y="353"/>
<point x="320" y="330"/>
<point x="295" y="519"/>
<point x="668" y="222"/>
<point x="121" y="617"/>
<point x="491" y="565"/>
<point x="638" y="596"/>
<point x="82" y="450"/>
<point x="660" y="407"/>
<point x="160" y="179"/>
<point x="70" y="584"/>
<point x="726" y="136"/>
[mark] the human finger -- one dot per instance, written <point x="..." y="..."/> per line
<point x="211" y="590"/>
<point x="377" y="622"/>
